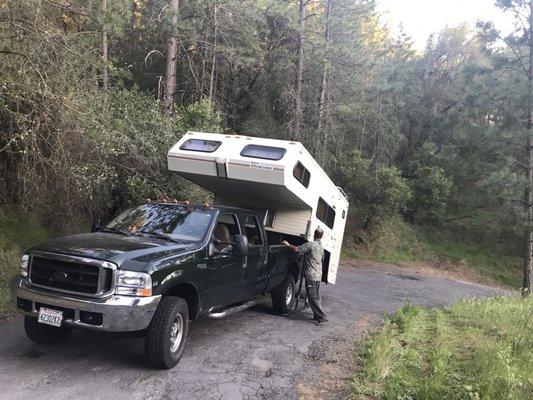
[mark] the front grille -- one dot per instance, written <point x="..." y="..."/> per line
<point x="70" y="275"/>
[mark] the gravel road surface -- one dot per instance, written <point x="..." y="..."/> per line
<point x="249" y="355"/>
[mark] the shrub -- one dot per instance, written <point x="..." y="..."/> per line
<point x="373" y="191"/>
<point x="430" y="189"/>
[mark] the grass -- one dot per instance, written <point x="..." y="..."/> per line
<point x="18" y="231"/>
<point x="490" y="262"/>
<point x="398" y="242"/>
<point x="476" y="349"/>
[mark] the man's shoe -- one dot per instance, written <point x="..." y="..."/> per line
<point x="320" y="321"/>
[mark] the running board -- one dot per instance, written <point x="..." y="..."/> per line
<point x="232" y="310"/>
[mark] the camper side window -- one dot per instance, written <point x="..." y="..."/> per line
<point x="301" y="174"/>
<point x="253" y="233"/>
<point x="263" y="152"/>
<point x="325" y="213"/>
<point x="205" y="146"/>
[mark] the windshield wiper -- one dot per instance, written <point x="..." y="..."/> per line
<point x="115" y="230"/>
<point x="160" y="236"/>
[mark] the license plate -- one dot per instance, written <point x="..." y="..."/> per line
<point x="50" y="317"/>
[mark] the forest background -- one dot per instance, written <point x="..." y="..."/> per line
<point x="433" y="147"/>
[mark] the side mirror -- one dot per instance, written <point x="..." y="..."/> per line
<point x="240" y="245"/>
<point x="96" y="225"/>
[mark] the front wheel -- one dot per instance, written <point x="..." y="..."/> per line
<point x="166" y="335"/>
<point x="45" y="334"/>
<point x="283" y="296"/>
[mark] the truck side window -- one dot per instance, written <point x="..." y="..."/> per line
<point x="226" y="229"/>
<point x="253" y="232"/>
<point x="267" y="214"/>
<point x="269" y="218"/>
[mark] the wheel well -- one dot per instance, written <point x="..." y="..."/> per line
<point x="189" y="293"/>
<point x="293" y="270"/>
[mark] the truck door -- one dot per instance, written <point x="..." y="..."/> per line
<point x="256" y="275"/>
<point x="225" y="272"/>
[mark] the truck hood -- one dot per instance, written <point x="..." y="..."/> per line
<point x="128" y="252"/>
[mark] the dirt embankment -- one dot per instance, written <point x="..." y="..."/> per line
<point x="336" y="363"/>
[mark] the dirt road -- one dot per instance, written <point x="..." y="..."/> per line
<point x="250" y="355"/>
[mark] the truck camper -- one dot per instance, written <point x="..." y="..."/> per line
<point x="158" y="266"/>
<point x="277" y="178"/>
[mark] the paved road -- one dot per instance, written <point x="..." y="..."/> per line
<point x="250" y="355"/>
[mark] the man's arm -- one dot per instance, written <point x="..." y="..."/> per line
<point x="290" y="246"/>
<point x="298" y="249"/>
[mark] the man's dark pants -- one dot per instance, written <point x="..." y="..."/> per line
<point x="313" y="294"/>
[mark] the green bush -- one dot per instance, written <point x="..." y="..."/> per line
<point x="431" y="190"/>
<point x="112" y="155"/>
<point x="373" y="191"/>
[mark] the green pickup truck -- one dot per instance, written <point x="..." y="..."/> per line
<point x="153" y="269"/>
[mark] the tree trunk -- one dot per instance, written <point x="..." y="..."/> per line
<point x="214" y="60"/>
<point x="321" y="135"/>
<point x="171" y="56"/>
<point x="105" y="75"/>
<point x="297" y="117"/>
<point x="528" y="256"/>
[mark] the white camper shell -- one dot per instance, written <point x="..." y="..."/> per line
<point x="276" y="177"/>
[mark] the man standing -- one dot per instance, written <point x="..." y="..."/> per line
<point x="312" y="253"/>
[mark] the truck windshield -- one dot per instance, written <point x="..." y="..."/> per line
<point x="179" y="223"/>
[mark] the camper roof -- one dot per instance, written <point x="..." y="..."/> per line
<point x="252" y="168"/>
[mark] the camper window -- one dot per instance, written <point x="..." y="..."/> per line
<point x="325" y="213"/>
<point x="205" y="146"/>
<point x="263" y="152"/>
<point x="301" y="174"/>
<point x="253" y="232"/>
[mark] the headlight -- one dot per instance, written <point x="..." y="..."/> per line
<point x="131" y="283"/>
<point x="24" y="264"/>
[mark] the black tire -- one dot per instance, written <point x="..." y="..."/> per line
<point x="45" y="334"/>
<point x="283" y="297"/>
<point x="157" y="342"/>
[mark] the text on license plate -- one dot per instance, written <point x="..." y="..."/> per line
<point x="50" y="317"/>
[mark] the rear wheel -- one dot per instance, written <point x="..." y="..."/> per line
<point x="45" y="334"/>
<point x="283" y="296"/>
<point x="166" y="335"/>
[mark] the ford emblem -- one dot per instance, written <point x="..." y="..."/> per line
<point x="60" y="275"/>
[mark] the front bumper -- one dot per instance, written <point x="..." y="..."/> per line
<point x="118" y="313"/>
